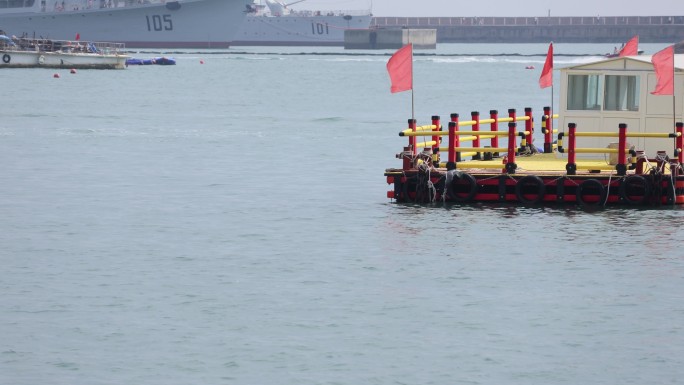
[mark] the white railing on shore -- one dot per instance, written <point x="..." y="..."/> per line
<point x="311" y="13"/>
<point x="526" y="21"/>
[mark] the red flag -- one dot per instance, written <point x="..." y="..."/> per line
<point x="631" y="48"/>
<point x="663" y="62"/>
<point x="400" y="68"/>
<point x="546" y="78"/>
<point x="78" y="36"/>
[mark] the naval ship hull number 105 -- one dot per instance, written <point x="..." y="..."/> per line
<point x="159" y="23"/>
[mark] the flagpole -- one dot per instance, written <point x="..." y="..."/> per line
<point x="546" y="78"/>
<point x="400" y="69"/>
<point x="413" y="100"/>
<point x="552" y="106"/>
<point x="674" y="111"/>
<point x="674" y="104"/>
<point x="413" y="106"/>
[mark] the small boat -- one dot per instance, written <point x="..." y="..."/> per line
<point x="47" y="53"/>
<point x="163" y="61"/>
<point x="617" y="54"/>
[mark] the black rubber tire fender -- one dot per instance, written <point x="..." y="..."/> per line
<point x="533" y="181"/>
<point x="639" y="181"/>
<point x="590" y="184"/>
<point x="470" y="187"/>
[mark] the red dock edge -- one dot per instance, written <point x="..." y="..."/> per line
<point x="423" y="179"/>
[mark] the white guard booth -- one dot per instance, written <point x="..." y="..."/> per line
<point x="599" y="96"/>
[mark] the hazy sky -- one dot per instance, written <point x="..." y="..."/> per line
<point x="503" y="7"/>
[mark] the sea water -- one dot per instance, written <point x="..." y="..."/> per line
<point x="225" y="221"/>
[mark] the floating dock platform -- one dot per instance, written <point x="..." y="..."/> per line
<point x="478" y="169"/>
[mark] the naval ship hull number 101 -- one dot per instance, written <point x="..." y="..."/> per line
<point x="320" y="29"/>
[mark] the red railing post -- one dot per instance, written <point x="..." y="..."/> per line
<point x="621" y="167"/>
<point x="452" y="155"/>
<point x="412" y="139"/>
<point x="680" y="142"/>
<point x="407" y="158"/>
<point x="571" y="167"/>
<point x="511" y="114"/>
<point x="529" y="126"/>
<point x="451" y="163"/>
<point x="510" y="165"/>
<point x="548" y="148"/>
<point x="475" y="115"/>
<point x="494" y="115"/>
<point x="548" y="133"/>
<point x="436" y="139"/>
<point x="457" y="140"/>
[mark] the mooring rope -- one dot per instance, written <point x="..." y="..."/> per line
<point x="610" y="178"/>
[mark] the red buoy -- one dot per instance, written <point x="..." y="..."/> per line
<point x="55" y="76"/>
<point x="73" y="70"/>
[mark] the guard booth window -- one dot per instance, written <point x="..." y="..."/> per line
<point x="584" y="92"/>
<point x="622" y="93"/>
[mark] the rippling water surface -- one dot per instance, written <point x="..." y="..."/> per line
<point x="226" y="223"/>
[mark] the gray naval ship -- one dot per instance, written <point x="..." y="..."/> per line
<point x="275" y="23"/>
<point x="136" y="23"/>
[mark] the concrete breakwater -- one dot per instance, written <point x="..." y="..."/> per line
<point x="422" y="38"/>
<point x="587" y="29"/>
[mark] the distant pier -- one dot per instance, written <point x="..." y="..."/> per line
<point x="390" y="38"/>
<point x="587" y="29"/>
